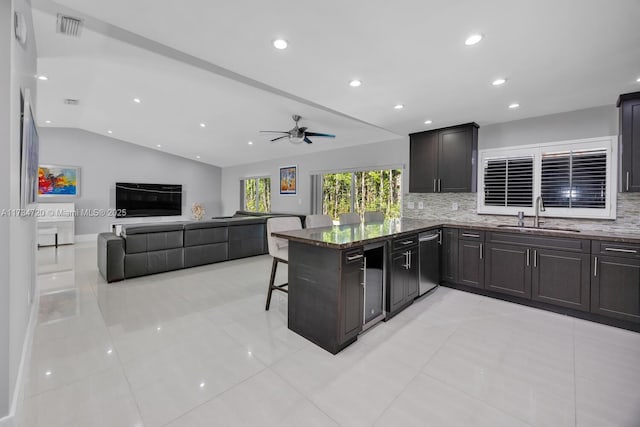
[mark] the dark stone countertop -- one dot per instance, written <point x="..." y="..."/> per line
<point x="347" y="236"/>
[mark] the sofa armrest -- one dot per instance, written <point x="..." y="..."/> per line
<point x="111" y="257"/>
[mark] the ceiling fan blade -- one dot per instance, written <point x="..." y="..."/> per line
<point x="280" y="137"/>
<point x="274" y="131"/>
<point x="326" y="135"/>
<point x="307" y="140"/>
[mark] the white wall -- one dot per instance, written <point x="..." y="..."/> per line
<point x="17" y="247"/>
<point x="383" y="154"/>
<point x="105" y="161"/>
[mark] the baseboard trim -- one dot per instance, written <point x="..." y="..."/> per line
<point x="85" y="238"/>
<point x="20" y="388"/>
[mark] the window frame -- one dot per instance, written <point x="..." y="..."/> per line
<point x="609" y="143"/>
<point x="243" y="200"/>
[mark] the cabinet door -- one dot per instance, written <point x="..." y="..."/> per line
<point x="412" y="276"/>
<point x="423" y="162"/>
<point x="352" y="296"/>
<point x="508" y="269"/>
<point x="561" y="278"/>
<point x="615" y="287"/>
<point x="455" y="149"/>
<point x="450" y="255"/>
<point x="630" y="136"/>
<point x="397" y="287"/>
<point x="471" y="263"/>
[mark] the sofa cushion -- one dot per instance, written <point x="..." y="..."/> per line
<point x="130" y="229"/>
<point x="138" y="243"/>
<point x="205" y="254"/>
<point x="205" y="236"/>
<point x="213" y="223"/>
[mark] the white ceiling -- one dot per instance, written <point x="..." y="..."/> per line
<point x="202" y="61"/>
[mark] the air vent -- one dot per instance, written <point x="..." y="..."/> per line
<point x="68" y="26"/>
<point x="70" y="101"/>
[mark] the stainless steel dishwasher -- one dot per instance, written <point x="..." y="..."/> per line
<point x="430" y="249"/>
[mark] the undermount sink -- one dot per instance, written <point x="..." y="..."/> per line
<point x="530" y="227"/>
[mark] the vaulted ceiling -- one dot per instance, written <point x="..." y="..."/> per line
<point x="213" y="62"/>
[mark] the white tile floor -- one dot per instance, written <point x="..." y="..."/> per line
<point x="196" y="348"/>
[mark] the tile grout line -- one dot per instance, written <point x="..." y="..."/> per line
<point x="304" y="396"/>
<point x="575" y="385"/>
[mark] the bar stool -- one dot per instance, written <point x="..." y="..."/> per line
<point x="349" y="218"/>
<point x="279" y="249"/>
<point x="373" y="216"/>
<point x="315" y="221"/>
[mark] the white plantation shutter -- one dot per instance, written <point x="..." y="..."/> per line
<point x="509" y="182"/>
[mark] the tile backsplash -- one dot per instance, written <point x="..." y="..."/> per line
<point x="438" y="207"/>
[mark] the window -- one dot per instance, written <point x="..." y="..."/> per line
<point x="509" y="182"/>
<point x="574" y="178"/>
<point x="361" y="191"/>
<point x="256" y="195"/>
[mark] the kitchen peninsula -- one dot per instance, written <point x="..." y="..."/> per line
<point x="337" y="275"/>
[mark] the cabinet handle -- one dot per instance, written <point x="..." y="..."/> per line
<point x="626" y="251"/>
<point x="440" y="237"/>
<point x="535" y="258"/>
<point x="354" y="257"/>
<point x="627" y="180"/>
<point x="528" y="253"/>
<point x="410" y="256"/>
<point x="406" y="242"/>
<point x="475" y="236"/>
<point x="481" y="250"/>
<point x="595" y="266"/>
<point x="435" y="190"/>
<point x="439" y="185"/>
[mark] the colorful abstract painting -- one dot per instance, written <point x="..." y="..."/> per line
<point x="58" y="181"/>
<point x="288" y="180"/>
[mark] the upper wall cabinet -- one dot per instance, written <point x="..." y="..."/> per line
<point x="444" y="160"/>
<point x="629" y="105"/>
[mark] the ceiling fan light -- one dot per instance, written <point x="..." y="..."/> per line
<point x="296" y="139"/>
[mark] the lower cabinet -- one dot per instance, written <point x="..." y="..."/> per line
<point x="508" y="269"/>
<point x="615" y="287"/>
<point x="471" y="258"/>
<point x="352" y="279"/>
<point x="450" y="255"/>
<point x="561" y="278"/>
<point x="404" y="281"/>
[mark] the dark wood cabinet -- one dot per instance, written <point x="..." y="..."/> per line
<point x="561" y="278"/>
<point x="471" y="258"/>
<point x="508" y="269"/>
<point x="450" y="255"/>
<point x="615" y="280"/>
<point x="404" y="282"/>
<point x="352" y="293"/>
<point x="444" y="160"/>
<point x="629" y="105"/>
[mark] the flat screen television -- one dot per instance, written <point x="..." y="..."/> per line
<point x="136" y="200"/>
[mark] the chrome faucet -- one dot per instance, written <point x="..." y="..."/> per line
<point x="539" y="208"/>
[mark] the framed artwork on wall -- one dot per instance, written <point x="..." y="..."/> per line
<point x="58" y="181"/>
<point x="30" y="147"/>
<point x="288" y="179"/>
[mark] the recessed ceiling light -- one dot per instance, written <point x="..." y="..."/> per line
<point x="355" y="83"/>
<point x="158" y="145"/>
<point x="48" y="373"/>
<point x="47" y="121"/>
<point x="202" y="385"/>
<point x="514" y="105"/>
<point x="280" y="44"/>
<point x="43" y="78"/>
<point x="473" y="39"/>
<point x="250" y="142"/>
<point x="498" y="82"/>
<point x="137" y="100"/>
<point x="109" y="351"/>
<point x="197" y="157"/>
<point x="428" y="122"/>
<point x="203" y="125"/>
<point x="638" y="79"/>
<point x="398" y="106"/>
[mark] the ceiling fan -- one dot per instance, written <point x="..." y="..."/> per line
<point x="297" y="134"/>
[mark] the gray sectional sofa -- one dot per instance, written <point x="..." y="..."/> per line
<point x="143" y="249"/>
